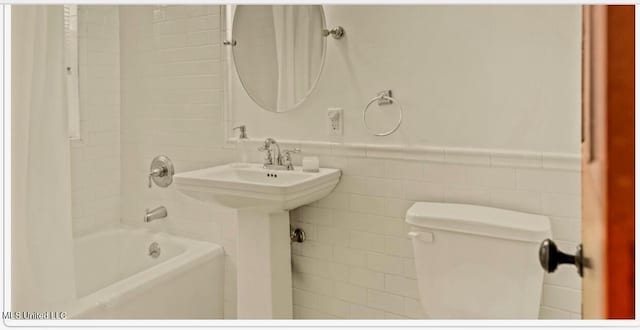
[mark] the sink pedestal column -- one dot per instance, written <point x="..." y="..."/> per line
<point x="264" y="265"/>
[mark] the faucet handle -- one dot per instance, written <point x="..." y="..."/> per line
<point x="266" y="144"/>
<point x="157" y="172"/>
<point x="267" y="156"/>
<point x="161" y="171"/>
<point x="288" y="162"/>
<point x="288" y="152"/>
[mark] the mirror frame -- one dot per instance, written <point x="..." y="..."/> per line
<point x="315" y="82"/>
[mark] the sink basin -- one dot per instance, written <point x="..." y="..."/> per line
<point x="253" y="186"/>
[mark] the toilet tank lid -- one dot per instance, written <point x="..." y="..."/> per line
<point x="480" y="220"/>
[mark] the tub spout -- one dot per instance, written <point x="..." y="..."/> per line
<point x="157" y="213"/>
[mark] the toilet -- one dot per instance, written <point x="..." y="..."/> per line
<point x="476" y="262"/>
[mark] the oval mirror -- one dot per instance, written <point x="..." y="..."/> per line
<point x="278" y="52"/>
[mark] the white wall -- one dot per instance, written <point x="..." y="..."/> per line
<point x="171" y="105"/>
<point x="95" y="159"/>
<point x="478" y="78"/>
<point x="497" y="77"/>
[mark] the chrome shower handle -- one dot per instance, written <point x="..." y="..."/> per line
<point x="157" y="172"/>
<point x="161" y="171"/>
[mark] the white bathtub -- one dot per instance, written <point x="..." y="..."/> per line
<point x="116" y="278"/>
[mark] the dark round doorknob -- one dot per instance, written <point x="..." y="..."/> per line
<point x="550" y="257"/>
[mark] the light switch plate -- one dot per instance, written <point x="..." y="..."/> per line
<point x="335" y="121"/>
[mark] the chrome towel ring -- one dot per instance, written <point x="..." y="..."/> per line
<point x="383" y="98"/>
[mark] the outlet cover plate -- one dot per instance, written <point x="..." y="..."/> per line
<point x="335" y="121"/>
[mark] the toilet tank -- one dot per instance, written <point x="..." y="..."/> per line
<point x="477" y="262"/>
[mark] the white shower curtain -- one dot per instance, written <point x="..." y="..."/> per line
<point x="71" y="69"/>
<point x="42" y="248"/>
<point x="296" y="38"/>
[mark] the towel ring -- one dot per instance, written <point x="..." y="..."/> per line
<point x="382" y="98"/>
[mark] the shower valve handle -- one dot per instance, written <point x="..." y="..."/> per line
<point x="157" y="172"/>
<point x="161" y="171"/>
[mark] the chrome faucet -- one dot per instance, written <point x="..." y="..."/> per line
<point x="157" y="213"/>
<point x="273" y="159"/>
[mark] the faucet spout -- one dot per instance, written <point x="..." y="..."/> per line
<point x="157" y="213"/>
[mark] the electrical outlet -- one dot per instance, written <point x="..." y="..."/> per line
<point x="334" y="121"/>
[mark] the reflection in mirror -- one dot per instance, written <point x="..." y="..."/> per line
<point x="278" y="52"/>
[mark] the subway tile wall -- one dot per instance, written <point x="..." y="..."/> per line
<point x="95" y="158"/>
<point x="358" y="261"/>
<point x="171" y="105"/>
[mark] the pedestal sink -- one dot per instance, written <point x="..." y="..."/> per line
<point x="262" y="199"/>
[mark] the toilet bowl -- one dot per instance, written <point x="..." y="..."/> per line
<point x="476" y="262"/>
